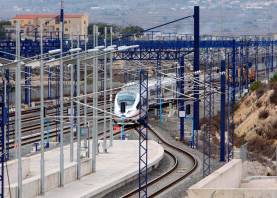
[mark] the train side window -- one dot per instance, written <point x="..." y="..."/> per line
<point x="152" y="92"/>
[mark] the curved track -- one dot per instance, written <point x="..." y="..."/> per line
<point x="174" y="175"/>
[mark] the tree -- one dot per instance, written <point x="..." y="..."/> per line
<point x="2" y="28"/>
<point x="117" y="30"/>
<point x="132" y="30"/>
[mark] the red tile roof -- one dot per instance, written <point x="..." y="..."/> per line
<point x="35" y="16"/>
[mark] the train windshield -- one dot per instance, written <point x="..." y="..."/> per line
<point x="127" y="97"/>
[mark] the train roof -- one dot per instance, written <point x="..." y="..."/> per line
<point x="151" y="83"/>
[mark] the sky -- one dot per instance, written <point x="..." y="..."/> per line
<point x="217" y="16"/>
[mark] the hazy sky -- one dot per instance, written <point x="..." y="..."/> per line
<point x="238" y="16"/>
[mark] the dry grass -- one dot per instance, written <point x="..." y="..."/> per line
<point x="273" y="96"/>
<point x="261" y="146"/>
<point x="260" y="92"/>
<point x="259" y="104"/>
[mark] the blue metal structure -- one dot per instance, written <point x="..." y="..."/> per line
<point x="4" y="123"/>
<point x="7" y="103"/>
<point x="256" y="62"/>
<point x="222" y="110"/>
<point x="49" y="82"/>
<point x="181" y="97"/>
<point x="207" y="117"/>
<point x="2" y="149"/>
<point x="233" y="101"/>
<point x="28" y="84"/>
<point x="57" y="78"/>
<point x="159" y="90"/>
<point x="196" y="68"/>
<point x="143" y="134"/>
<point x="228" y="104"/>
<point x="272" y="56"/>
<point x="148" y="50"/>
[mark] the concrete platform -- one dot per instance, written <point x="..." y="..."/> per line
<point x="114" y="169"/>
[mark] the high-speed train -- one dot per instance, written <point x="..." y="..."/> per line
<point x="129" y="96"/>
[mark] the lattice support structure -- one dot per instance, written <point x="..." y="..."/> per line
<point x="4" y="125"/>
<point x="208" y="117"/>
<point x="228" y="104"/>
<point x="256" y="62"/>
<point x="49" y="83"/>
<point x="181" y="97"/>
<point x="222" y="110"/>
<point x="28" y="80"/>
<point x="57" y="76"/>
<point x="241" y="70"/>
<point x="247" y="67"/>
<point x="143" y="134"/>
<point x="159" y="90"/>
<point x="7" y="107"/>
<point x="272" y="56"/>
<point x="196" y="68"/>
<point x="233" y="100"/>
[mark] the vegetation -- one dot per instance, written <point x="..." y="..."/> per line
<point x="117" y="30"/>
<point x="274" y="78"/>
<point x="132" y="30"/>
<point x="255" y="85"/>
<point x="273" y="96"/>
<point x="2" y="29"/>
<point x="101" y="28"/>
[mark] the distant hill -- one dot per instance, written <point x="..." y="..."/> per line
<point x="237" y="16"/>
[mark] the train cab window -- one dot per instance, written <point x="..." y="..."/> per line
<point x="127" y="98"/>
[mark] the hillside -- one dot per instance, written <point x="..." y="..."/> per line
<point x="256" y="121"/>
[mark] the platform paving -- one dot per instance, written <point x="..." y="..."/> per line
<point x="114" y="168"/>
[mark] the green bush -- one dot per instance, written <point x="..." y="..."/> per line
<point x="274" y="78"/>
<point x="255" y="85"/>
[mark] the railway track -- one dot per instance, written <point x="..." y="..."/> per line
<point x="175" y="174"/>
<point x="31" y="131"/>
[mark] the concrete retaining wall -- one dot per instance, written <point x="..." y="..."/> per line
<point x="225" y="183"/>
<point x="234" y="193"/>
<point x="31" y="186"/>
<point x="13" y="170"/>
<point x="228" y="176"/>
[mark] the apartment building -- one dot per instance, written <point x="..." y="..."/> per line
<point x="74" y="24"/>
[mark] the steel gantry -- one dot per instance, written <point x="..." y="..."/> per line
<point x="28" y="84"/>
<point x="230" y="141"/>
<point x="207" y="116"/>
<point x="222" y="109"/>
<point x="159" y="112"/>
<point x="4" y="122"/>
<point x="181" y="96"/>
<point x="143" y="134"/>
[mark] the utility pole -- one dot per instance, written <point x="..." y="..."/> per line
<point x="105" y="93"/>
<point x="42" y="167"/>
<point x="18" y="110"/>
<point x="111" y="87"/>
<point x="61" y="97"/>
